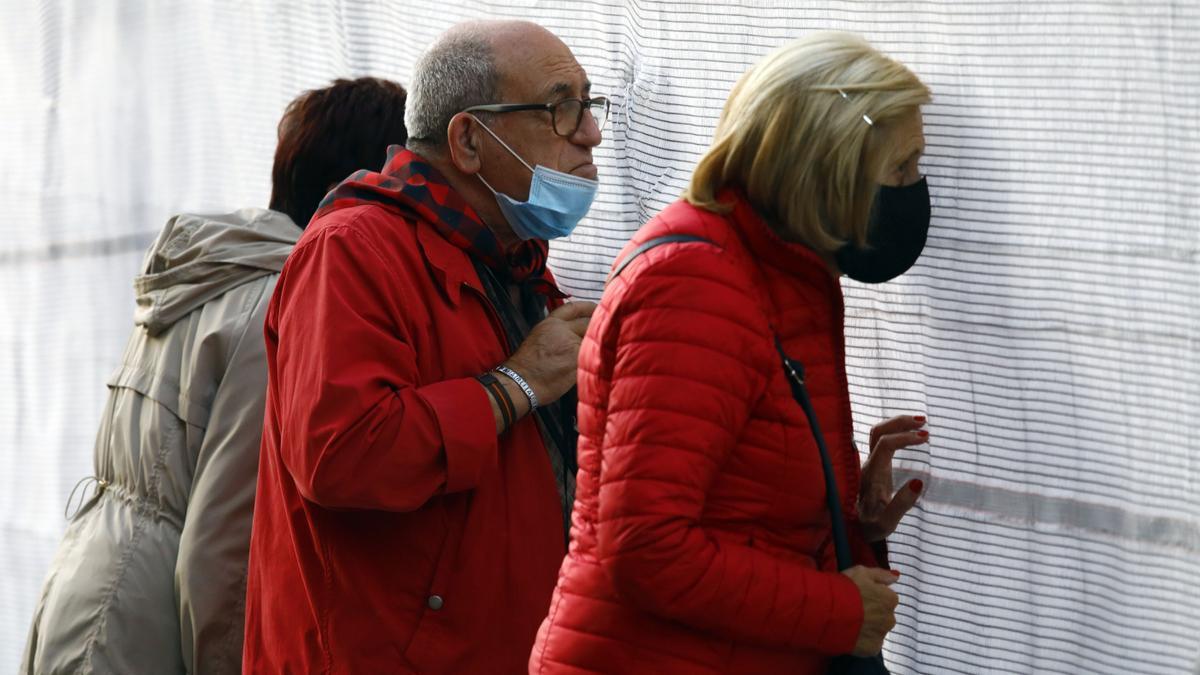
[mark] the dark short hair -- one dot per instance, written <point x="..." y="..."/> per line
<point x="327" y="134"/>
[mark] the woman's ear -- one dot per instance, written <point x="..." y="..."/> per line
<point x="462" y="143"/>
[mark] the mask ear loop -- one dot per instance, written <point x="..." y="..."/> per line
<point x="502" y="144"/>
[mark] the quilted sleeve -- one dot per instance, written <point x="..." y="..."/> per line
<point x="688" y="364"/>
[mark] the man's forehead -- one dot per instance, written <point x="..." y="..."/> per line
<point x="548" y="83"/>
<point x="543" y="68"/>
<point x="562" y="88"/>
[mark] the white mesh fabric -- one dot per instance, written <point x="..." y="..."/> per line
<point x="1050" y="331"/>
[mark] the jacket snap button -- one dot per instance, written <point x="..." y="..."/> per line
<point x="435" y="602"/>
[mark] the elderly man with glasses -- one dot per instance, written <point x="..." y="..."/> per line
<point x="418" y="456"/>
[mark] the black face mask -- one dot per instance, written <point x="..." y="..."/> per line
<point x="895" y="236"/>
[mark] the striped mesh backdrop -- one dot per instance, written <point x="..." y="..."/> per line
<point x="1051" y="331"/>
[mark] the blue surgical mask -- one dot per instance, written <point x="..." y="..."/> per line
<point x="557" y="201"/>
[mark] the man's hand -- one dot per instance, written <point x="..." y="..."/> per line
<point x="879" y="510"/>
<point x="549" y="356"/>
<point x="879" y="607"/>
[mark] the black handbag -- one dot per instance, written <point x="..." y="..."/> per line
<point x="846" y="664"/>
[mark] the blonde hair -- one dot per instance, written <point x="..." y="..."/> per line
<point x="802" y="152"/>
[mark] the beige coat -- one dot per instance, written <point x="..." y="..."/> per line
<point x="150" y="576"/>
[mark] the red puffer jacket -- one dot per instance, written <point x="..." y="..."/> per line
<point x="701" y="539"/>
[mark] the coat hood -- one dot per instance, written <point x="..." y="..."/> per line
<point x="197" y="258"/>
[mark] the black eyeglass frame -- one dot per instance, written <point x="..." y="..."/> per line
<point x="552" y="108"/>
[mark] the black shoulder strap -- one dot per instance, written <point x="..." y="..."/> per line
<point x="647" y="245"/>
<point x="841" y="541"/>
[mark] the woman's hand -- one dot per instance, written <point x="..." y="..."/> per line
<point x="879" y="509"/>
<point x="879" y="607"/>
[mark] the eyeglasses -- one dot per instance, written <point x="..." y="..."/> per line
<point x="566" y="115"/>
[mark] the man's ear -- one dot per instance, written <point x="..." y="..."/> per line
<point x="462" y="142"/>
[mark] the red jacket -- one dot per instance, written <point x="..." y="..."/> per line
<point x="393" y="531"/>
<point x="701" y="540"/>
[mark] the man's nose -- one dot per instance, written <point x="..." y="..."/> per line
<point x="588" y="134"/>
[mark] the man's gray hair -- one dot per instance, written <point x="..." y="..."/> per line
<point x="457" y="72"/>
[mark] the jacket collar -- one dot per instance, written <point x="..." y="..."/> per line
<point x="796" y="260"/>
<point x="449" y="265"/>
<point x="449" y="231"/>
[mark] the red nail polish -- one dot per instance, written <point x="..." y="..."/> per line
<point x="919" y="419"/>
<point x="916" y="485"/>
<point x="923" y="434"/>
<point x="895" y="573"/>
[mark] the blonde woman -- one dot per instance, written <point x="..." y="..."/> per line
<point x="702" y="540"/>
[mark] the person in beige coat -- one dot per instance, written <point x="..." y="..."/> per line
<point x="150" y="576"/>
